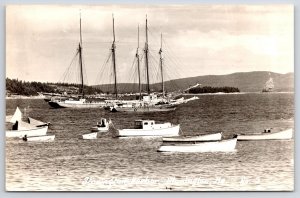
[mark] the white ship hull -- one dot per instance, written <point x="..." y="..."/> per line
<point x="170" y="131"/>
<point x="200" y="138"/>
<point x="80" y="105"/>
<point x="282" y="135"/>
<point x="40" y="131"/>
<point x="220" y="146"/>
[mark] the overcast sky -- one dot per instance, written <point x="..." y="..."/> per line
<point x="41" y="40"/>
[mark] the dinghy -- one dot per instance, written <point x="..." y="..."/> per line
<point x="43" y="138"/>
<point x="199" y="138"/>
<point x="149" y="128"/>
<point x="268" y="135"/>
<point x="219" y="146"/>
<point x="90" y="136"/>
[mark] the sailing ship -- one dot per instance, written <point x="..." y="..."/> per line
<point x="77" y="102"/>
<point x="269" y="85"/>
<point x="150" y="102"/>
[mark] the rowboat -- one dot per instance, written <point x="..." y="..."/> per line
<point x="268" y="135"/>
<point x="37" y="131"/>
<point x="219" y="146"/>
<point x="89" y="136"/>
<point x="150" y="128"/>
<point x="199" y="138"/>
<point x="43" y="138"/>
<point x="101" y="126"/>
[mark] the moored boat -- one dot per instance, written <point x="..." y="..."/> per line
<point x="89" y="136"/>
<point x="149" y="128"/>
<point x="20" y="128"/>
<point x="219" y="146"/>
<point x="199" y="138"/>
<point x="267" y="135"/>
<point x="42" y="138"/>
<point x="36" y="131"/>
<point x="102" y="126"/>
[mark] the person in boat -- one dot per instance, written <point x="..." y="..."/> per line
<point x="102" y="123"/>
<point x="25" y="138"/>
<point x="15" y="126"/>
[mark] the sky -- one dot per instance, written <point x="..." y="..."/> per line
<point x="41" y="40"/>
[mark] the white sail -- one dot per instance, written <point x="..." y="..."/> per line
<point x="17" y="116"/>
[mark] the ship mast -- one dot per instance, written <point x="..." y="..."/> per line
<point x="161" y="66"/>
<point x="80" y="58"/>
<point x="146" y="57"/>
<point x="113" y="50"/>
<point x="138" y="62"/>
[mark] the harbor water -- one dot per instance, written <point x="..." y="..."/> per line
<point x="133" y="164"/>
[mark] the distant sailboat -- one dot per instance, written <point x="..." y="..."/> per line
<point x="79" y="102"/>
<point x="269" y="85"/>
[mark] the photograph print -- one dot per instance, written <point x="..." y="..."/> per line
<point x="156" y="97"/>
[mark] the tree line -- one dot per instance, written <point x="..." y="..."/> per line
<point x="208" y="89"/>
<point x="19" y="87"/>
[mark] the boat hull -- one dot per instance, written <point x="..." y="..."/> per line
<point x="282" y="135"/>
<point x="170" y="131"/>
<point x="200" y="138"/>
<point x="44" y="138"/>
<point x="39" y="131"/>
<point x="143" y="109"/>
<point x="89" y="136"/>
<point x="220" y="146"/>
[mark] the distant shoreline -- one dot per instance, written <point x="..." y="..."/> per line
<point x="184" y="94"/>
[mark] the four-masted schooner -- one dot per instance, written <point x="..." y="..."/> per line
<point x="146" y="103"/>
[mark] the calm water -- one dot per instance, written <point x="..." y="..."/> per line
<point x="107" y="163"/>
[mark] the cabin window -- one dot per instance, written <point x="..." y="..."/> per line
<point x="151" y="123"/>
<point x="145" y="123"/>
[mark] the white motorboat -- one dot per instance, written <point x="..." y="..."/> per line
<point x="89" y="136"/>
<point x="219" y="146"/>
<point x="43" y="138"/>
<point x="268" y="135"/>
<point x="102" y="126"/>
<point x="21" y="128"/>
<point x="199" y="138"/>
<point x="150" y="128"/>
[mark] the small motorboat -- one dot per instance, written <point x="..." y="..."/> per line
<point x="218" y="146"/>
<point x="199" y="138"/>
<point x="267" y="135"/>
<point x="149" y="128"/>
<point x="43" y="138"/>
<point x="90" y="136"/>
<point x="102" y="126"/>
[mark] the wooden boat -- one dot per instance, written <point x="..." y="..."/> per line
<point x="20" y="128"/>
<point x="268" y="135"/>
<point x="43" y="138"/>
<point x="219" y="146"/>
<point x="149" y="128"/>
<point x="89" y="136"/>
<point x="101" y="126"/>
<point x="37" y="131"/>
<point x="199" y="138"/>
<point x="152" y="108"/>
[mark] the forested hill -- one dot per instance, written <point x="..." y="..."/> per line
<point x="19" y="87"/>
<point x="244" y="81"/>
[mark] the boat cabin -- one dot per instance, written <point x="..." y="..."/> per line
<point x="144" y="124"/>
